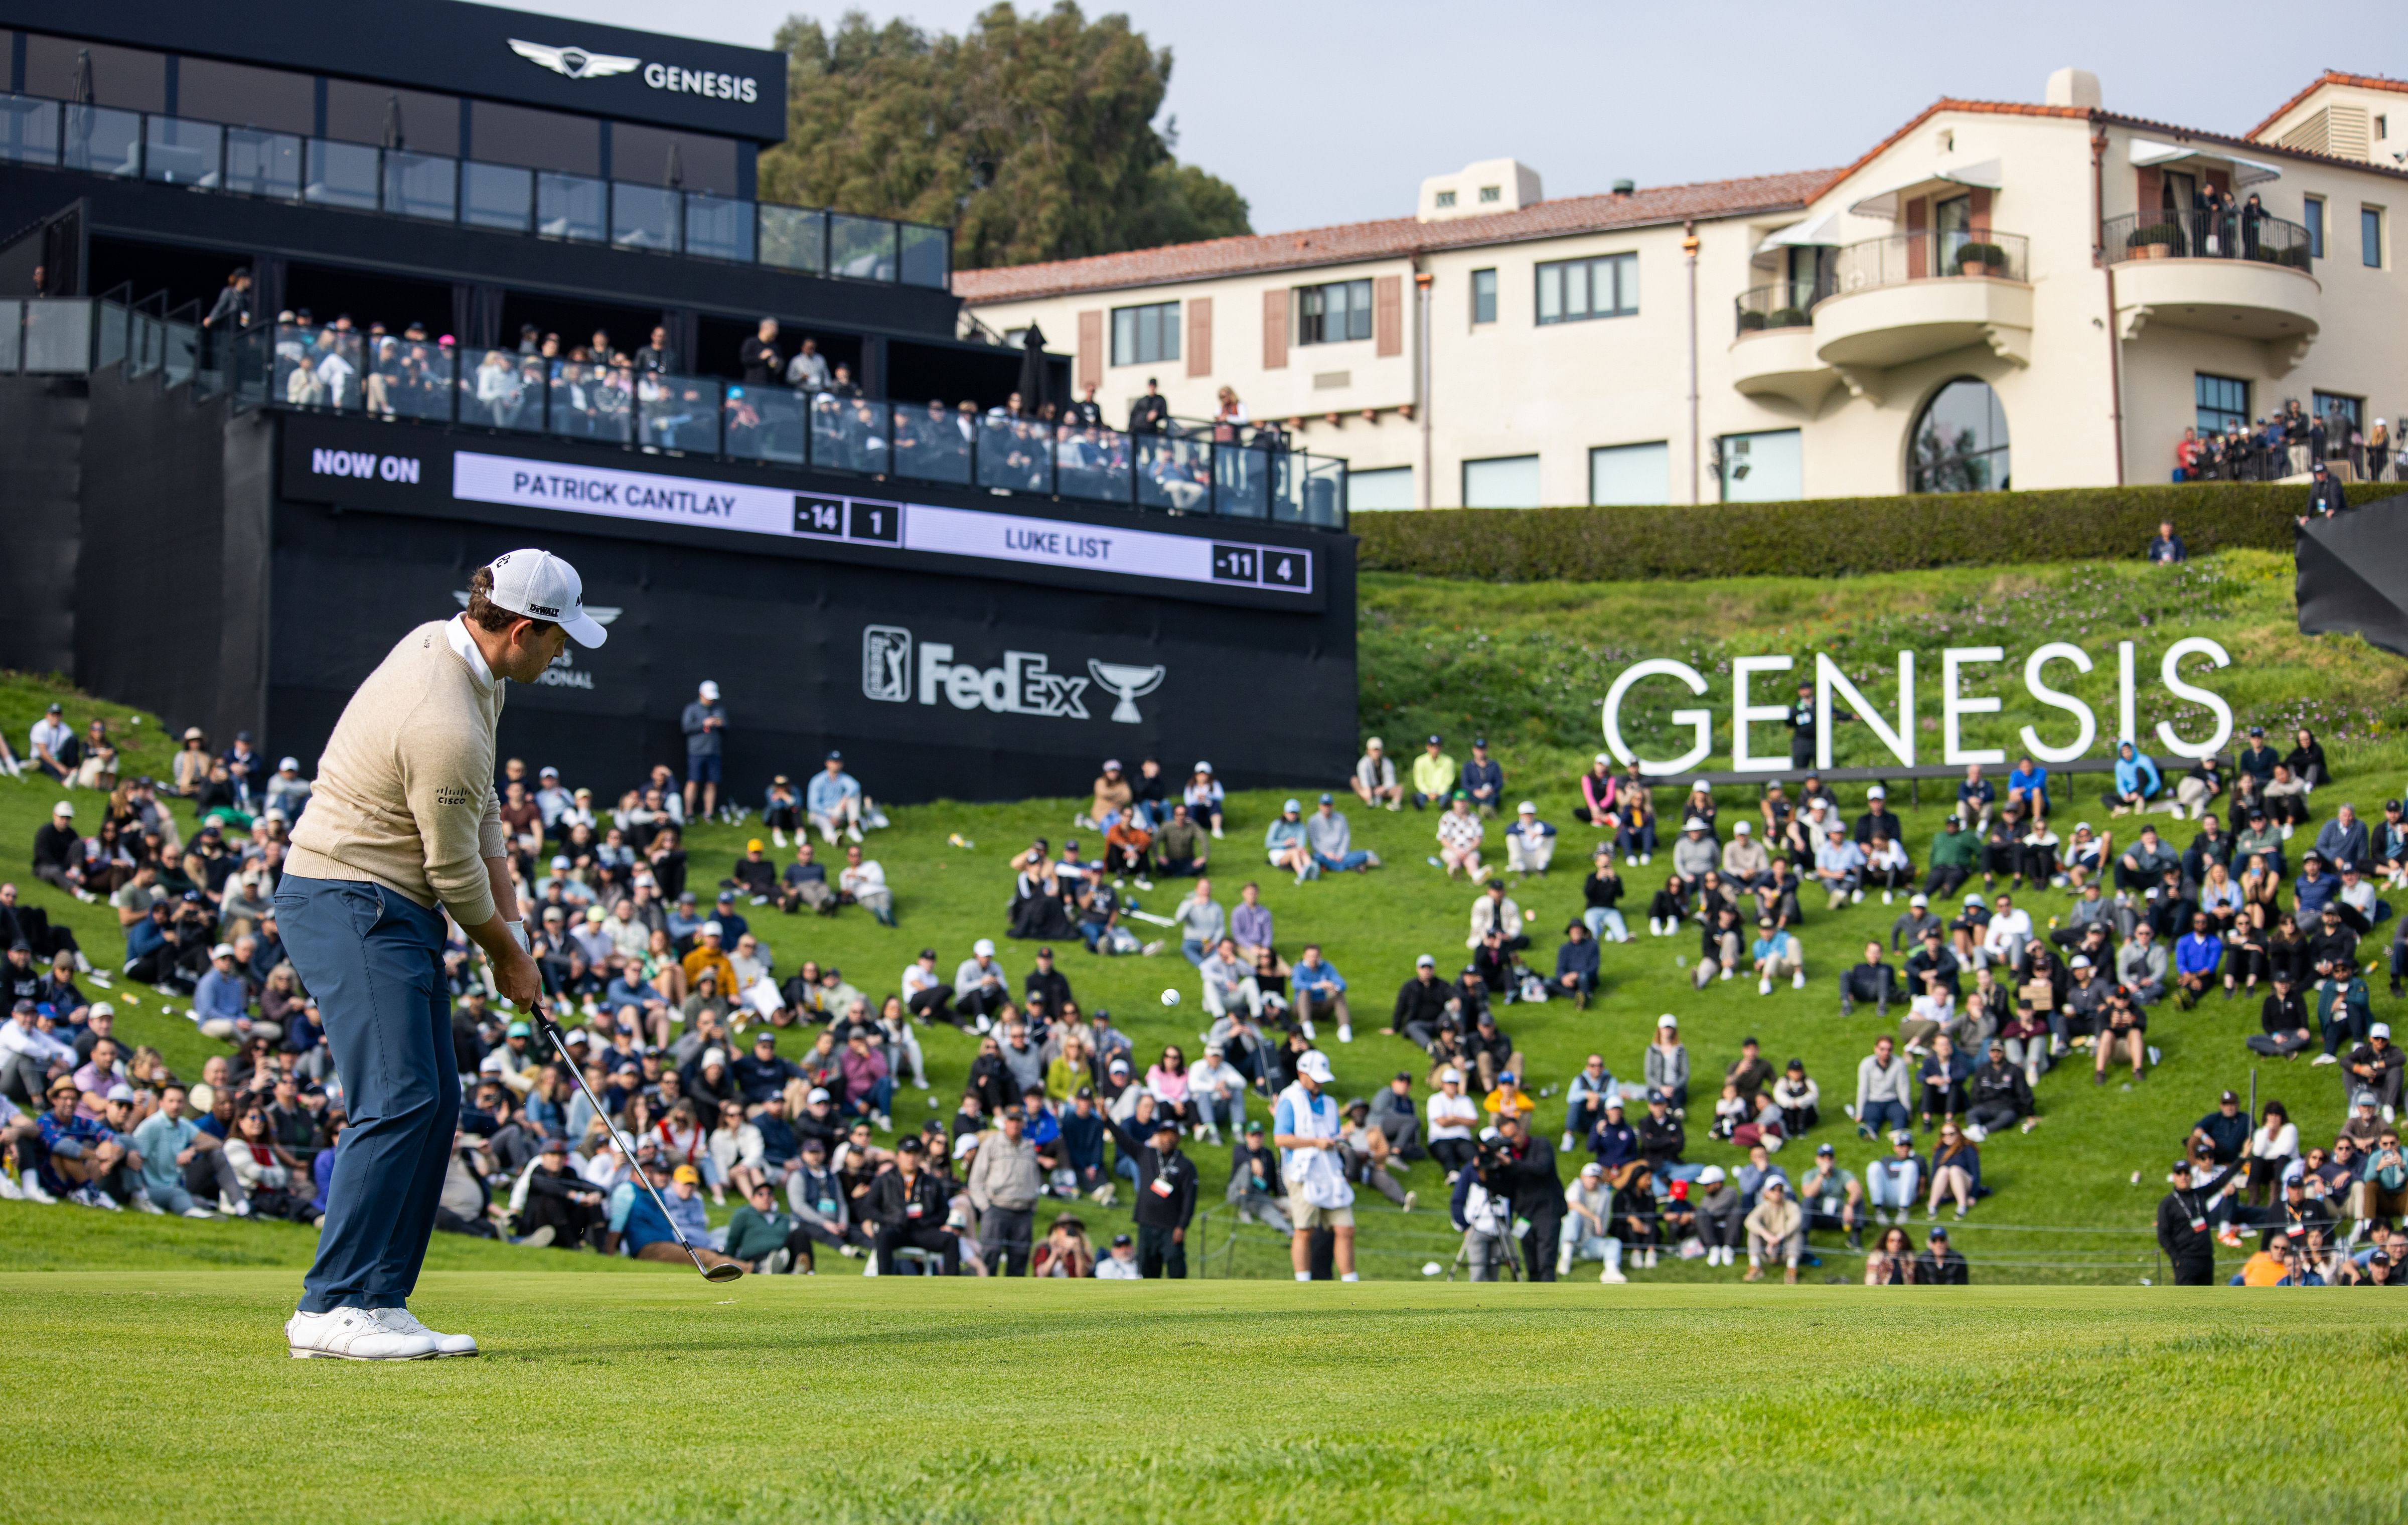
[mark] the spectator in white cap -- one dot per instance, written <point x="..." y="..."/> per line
<point x="287" y="790"/>
<point x="1694" y="855"/>
<point x="1746" y="862"/>
<point x="1452" y="1117"/>
<point x="1375" y="777"/>
<point x="1284" y="842"/>
<point x="58" y="853"/>
<point x="833" y="799"/>
<point x="404" y="828"/>
<point x="1589" y="1204"/>
<point x="221" y="1001"/>
<point x="1530" y="842"/>
<point x="705" y="723"/>
<point x="981" y="990"/>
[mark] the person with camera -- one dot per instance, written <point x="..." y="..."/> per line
<point x="1483" y="1213"/>
<point x="1529" y="1179"/>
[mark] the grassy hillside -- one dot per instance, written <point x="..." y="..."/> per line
<point x="1527" y="664"/>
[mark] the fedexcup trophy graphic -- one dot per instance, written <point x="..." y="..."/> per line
<point x="1127" y="682"/>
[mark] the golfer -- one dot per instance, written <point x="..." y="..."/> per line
<point x="403" y="826"/>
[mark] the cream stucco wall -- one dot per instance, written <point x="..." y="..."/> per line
<point x="1515" y="388"/>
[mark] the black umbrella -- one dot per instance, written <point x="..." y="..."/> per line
<point x="1032" y="371"/>
<point x="392" y="137"/>
<point x="2353" y="574"/>
<point x="676" y="176"/>
<point x="79" y="86"/>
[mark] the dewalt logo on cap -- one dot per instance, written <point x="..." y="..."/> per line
<point x="545" y="609"/>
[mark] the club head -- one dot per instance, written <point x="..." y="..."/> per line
<point x="723" y="1270"/>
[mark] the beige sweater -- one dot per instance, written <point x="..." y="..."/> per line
<point x="405" y="791"/>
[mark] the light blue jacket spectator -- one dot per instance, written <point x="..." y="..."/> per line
<point x="159" y="1141"/>
<point x="1318" y="978"/>
<point x="2136" y="772"/>
<point x="1283" y="834"/>
<point x="827" y="792"/>
<point x="219" y="996"/>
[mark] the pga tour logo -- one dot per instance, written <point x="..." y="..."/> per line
<point x="1024" y="684"/>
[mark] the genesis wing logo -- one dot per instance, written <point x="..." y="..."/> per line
<point x="576" y="62"/>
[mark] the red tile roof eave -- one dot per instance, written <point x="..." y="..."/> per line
<point x="2330" y="77"/>
<point x="1392" y="238"/>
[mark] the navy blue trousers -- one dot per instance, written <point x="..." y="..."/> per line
<point x="374" y="962"/>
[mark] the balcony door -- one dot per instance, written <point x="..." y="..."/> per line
<point x="1952" y="224"/>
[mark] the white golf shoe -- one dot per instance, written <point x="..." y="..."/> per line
<point x="355" y="1334"/>
<point x="445" y="1345"/>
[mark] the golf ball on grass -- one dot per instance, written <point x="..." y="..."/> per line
<point x="1170" y="998"/>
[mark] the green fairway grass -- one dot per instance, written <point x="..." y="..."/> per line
<point x="664" y="1398"/>
<point x="2074" y="1200"/>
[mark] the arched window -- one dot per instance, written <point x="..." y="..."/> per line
<point x="1960" y="441"/>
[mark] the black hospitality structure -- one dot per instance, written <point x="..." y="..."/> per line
<point x="230" y="524"/>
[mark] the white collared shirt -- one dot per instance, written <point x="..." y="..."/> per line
<point x="456" y="632"/>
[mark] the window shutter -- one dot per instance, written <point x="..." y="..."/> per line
<point x="1091" y="349"/>
<point x="1199" y="335"/>
<point x="1388" y="315"/>
<point x="1979" y="213"/>
<point x="1275" y="329"/>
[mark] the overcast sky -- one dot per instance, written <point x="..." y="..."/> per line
<point x="1334" y="111"/>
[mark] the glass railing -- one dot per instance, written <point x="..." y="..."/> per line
<point x="1250" y="473"/>
<point x="403" y="182"/>
<point x="1901" y="257"/>
<point x="1785" y="304"/>
<point x="2237" y="233"/>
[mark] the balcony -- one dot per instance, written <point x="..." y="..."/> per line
<point x="2246" y="277"/>
<point x="1773" y="354"/>
<point x="1911" y="296"/>
<point x="504" y="199"/>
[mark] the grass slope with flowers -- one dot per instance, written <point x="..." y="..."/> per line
<point x="1528" y="665"/>
<point x="660" y="1397"/>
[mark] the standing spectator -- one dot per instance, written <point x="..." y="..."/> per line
<point x="1005" y="1182"/>
<point x="1166" y="1195"/>
<point x="1434" y="774"/>
<point x="705" y="723"/>
<point x="1305" y="1126"/>
<point x="1375" y="777"/>
<point x="2183" y="1231"/>
<point x="2325" y="495"/>
<point x="758" y="356"/>
<point x="2167" y="547"/>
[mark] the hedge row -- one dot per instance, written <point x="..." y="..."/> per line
<point x="1831" y="537"/>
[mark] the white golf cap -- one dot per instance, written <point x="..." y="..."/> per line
<point x="2081" y="960"/>
<point x="541" y="586"/>
<point x="1526" y="808"/>
<point x="1693" y="824"/>
<point x="1314" y="1065"/>
<point x="1711" y="1176"/>
<point x="1668" y="1020"/>
<point x="224" y="950"/>
<point x="1425" y="961"/>
<point x="712" y="1056"/>
<point x="1877" y="792"/>
<point x="1592" y="1168"/>
<point x="712" y="928"/>
<point x="102" y="1008"/>
<point x="63" y="809"/>
<point x="1606" y="758"/>
<point x="2380" y="1029"/>
<point x="1450" y="1077"/>
<point x="291" y="763"/>
<point x="709" y="689"/>
<point x="1918" y="900"/>
<point x="984" y="947"/>
<point x="1740" y="829"/>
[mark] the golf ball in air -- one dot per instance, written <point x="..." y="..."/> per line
<point x="1170" y="998"/>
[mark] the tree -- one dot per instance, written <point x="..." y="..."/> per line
<point x="1031" y="136"/>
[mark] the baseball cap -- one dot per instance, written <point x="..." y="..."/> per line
<point x="1824" y="1150"/>
<point x="1326" y="800"/>
<point x="1901" y="1136"/>
<point x="1166" y="1123"/>
<point x="818" y="1093"/>
<point x="1937" y="1232"/>
<point x="1711" y="1176"/>
<point x="224" y="950"/>
<point x="540" y="585"/>
<point x="293" y="763"/>
<point x="1450" y="1077"/>
<point x="1425" y="961"/>
<point x="686" y="1172"/>
<point x="2380" y="1029"/>
<point x="770" y="1040"/>
<point x="1918" y="900"/>
<point x="1314" y="1065"/>
<point x="2081" y="960"/>
<point x="1592" y="1168"/>
<point x="1120" y="1240"/>
<point x="554" y="1146"/>
<point x="1668" y="1020"/>
<point x="517" y="1029"/>
<point x="1613" y="1103"/>
<point x="2181" y="1167"/>
<point x="712" y="928"/>
<point x="983" y="945"/>
<point x="1293" y="804"/>
<point x="1740" y="830"/>
<point x="2228" y="1096"/>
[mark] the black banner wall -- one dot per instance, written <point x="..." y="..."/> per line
<point x="2353" y="575"/>
<point x="932" y="682"/>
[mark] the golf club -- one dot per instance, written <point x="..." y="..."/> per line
<point x="725" y="1270"/>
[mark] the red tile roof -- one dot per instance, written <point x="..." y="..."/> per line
<point x="1393" y="237"/>
<point x="2362" y="81"/>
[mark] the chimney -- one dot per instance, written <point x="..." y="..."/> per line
<point x="2074" y="86"/>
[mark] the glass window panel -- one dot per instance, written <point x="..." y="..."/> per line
<point x="678" y="412"/>
<point x="12" y="322"/>
<point x="593" y="402"/>
<point x="1483" y="296"/>
<point x="1145" y="336"/>
<point x="848" y="434"/>
<point x="2370" y="237"/>
<point x="180" y="153"/>
<point x="103" y="141"/>
<point x="928" y="257"/>
<point x="1385" y="489"/>
<point x="1960" y="443"/>
<point x="763" y="423"/>
<point x="503" y="391"/>
<point x="360" y="112"/>
<point x="719" y="227"/>
<point x="533" y="139"/>
<point x="860" y="247"/>
<point x="1767" y="468"/>
<point x="931" y="443"/>
<point x="1092" y="463"/>
<point x="794" y="240"/>
<point x="1576" y="294"/>
<point x="342" y="175"/>
<point x="1630" y="473"/>
<point x="571" y="207"/>
<point x="421" y="185"/>
<point x="2223" y="401"/>
<point x="315" y="367"/>
<point x="1242" y="480"/>
<point x="2312" y="213"/>
<point x="1510" y="482"/>
<point x="29" y="130"/>
<point x="273" y="100"/>
<point x="262" y="164"/>
<point x="643" y="217"/>
<point x="1174" y="473"/>
<point x="129" y="79"/>
<point x="496" y="196"/>
<point x="1551" y="294"/>
<point x="1626" y="283"/>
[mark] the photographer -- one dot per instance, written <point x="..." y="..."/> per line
<point x="1481" y="1207"/>
<point x="1529" y="1179"/>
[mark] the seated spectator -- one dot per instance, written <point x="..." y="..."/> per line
<point x="863" y="883"/>
<point x="2137" y="782"/>
<point x="1182" y="848"/>
<point x="1939" y="1265"/>
<point x="1798" y="1098"/>
<point x="2127" y="1029"/>
<point x="833" y="801"/>
<point x="1893" y="1185"/>
<point x="2375" y="1065"/>
<point x="1838" y="868"/>
<point x="1459" y="837"/>
<point x="1330" y="843"/>
<point x="1530" y="842"/>
<point x="1872" y="980"/>
<point x="1375" y="777"/>
<point x="1775" y="1228"/>
<point x="1776" y="952"/>
<point x="1229" y="982"/>
<point x="1886" y="1090"/>
<point x="1720" y="949"/>
<point x="1435" y="775"/>
<point x="1832" y="1198"/>
<point x="1576" y="966"/>
<point x="1319" y="986"/>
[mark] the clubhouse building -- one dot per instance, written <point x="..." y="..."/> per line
<point x="1997" y="294"/>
